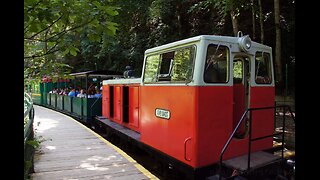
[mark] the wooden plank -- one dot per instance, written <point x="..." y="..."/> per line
<point x="120" y="176"/>
<point x="76" y="164"/>
<point x="73" y="142"/>
<point x="86" y="172"/>
<point x="72" y="152"/>
<point x="75" y="147"/>
<point x="104" y="153"/>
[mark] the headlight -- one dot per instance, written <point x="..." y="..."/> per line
<point x="245" y="43"/>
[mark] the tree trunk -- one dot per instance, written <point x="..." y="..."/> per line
<point x="278" y="41"/>
<point x="234" y="22"/>
<point x="179" y="20"/>
<point x="253" y="21"/>
<point x="261" y="22"/>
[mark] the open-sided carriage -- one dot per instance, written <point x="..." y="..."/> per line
<point x="81" y="108"/>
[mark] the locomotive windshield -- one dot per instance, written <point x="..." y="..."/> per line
<point x="262" y="68"/>
<point x="216" y="66"/>
<point x="173" y="66"/>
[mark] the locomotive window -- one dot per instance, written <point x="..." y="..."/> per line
<point x="262" y="68"/>
<point x="172" y="66"/>
<point x="166" y="62"/>
<point x="183" y="64"/>
<point x="216" y="66"/>
<point x="166" y="66"/>
<point x="151" y="69"/>
<point x="237" y="71"/>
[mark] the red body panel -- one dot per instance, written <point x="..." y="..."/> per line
<point x="175" y="136"/>
<point x="118" y="105"/>
<point x="262" y="120"/>
<point x="238" y="105"/>
<point x="205" y="115"/>
<point x="201" y="120"/>
<point x="134" y="107"/>
<point x="117" y="100"/>
<point x="214" y="124"/>
<point x="106" y="101"/>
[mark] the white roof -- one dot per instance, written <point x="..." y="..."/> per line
<point x="227" y="39"/>
<point x="122" y="81"/>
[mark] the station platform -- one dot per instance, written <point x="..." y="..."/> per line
<point x="70" y="150"/>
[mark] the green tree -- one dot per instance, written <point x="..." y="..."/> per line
<point x="52" y="30"/>
<point x="278" y="63"/>
<point x="233" y="8"/>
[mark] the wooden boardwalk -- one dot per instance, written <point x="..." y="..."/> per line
<point x="70" y="150"/>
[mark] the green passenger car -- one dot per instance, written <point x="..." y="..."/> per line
<point x="83" y="109"/>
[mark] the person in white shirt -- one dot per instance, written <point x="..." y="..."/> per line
<point x="82" y="94"/>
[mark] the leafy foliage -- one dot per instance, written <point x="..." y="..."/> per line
<point x="52" y="30"/>
<point x="104" y="34"/>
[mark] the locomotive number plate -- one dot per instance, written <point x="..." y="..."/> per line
<point x="162" y="113"/>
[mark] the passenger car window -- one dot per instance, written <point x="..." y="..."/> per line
<point x="216" y="66"/>
<point x="262" y="68"/>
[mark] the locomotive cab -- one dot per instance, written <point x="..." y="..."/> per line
<point x="194" y="92"/>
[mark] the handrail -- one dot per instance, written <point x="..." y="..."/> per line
<point x="91" y="107"/>
<point x="232" y="135"/>
<point x="27" y="102"/>
<point x="250" y="131"/>
<point x="95" y="102"/>
<point x="28" y="112"/>
<point x="28" y="127"/>
<point x="28" y="133"/>
<point x="293" y="117"/>
<point x="185" y="148"/>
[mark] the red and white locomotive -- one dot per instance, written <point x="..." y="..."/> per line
<point x="192" y="94"/>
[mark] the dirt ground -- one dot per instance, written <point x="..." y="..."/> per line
<point x="289" y="128"/>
